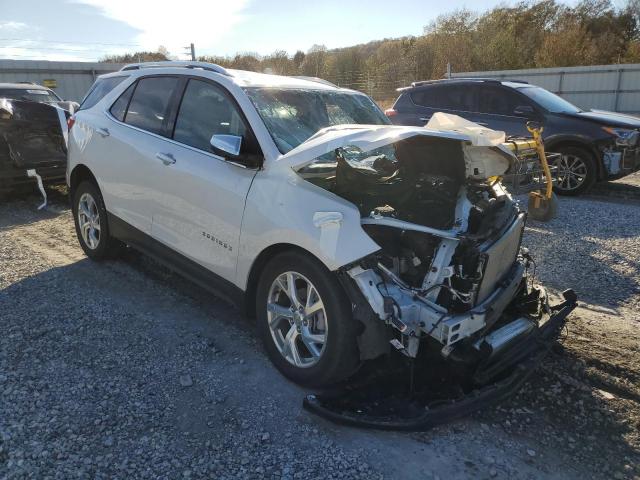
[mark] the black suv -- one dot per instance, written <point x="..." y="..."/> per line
<point x="595" y="145"/>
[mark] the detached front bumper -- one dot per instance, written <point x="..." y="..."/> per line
<point x="518" y="362"/>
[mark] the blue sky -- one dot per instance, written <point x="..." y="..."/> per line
<point x="90" y="29"/>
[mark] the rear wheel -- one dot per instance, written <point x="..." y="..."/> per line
<point x="576" y="170"/>
<point x="90" y="217"/>
<point x="305" y="321"/>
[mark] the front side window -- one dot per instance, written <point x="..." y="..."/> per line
<point x="499" y="101"/>
<point x="149" y="106"/>
<point x="99" y="90"/>
<point x="206" y="111"/>
<point x="293" y="115"/>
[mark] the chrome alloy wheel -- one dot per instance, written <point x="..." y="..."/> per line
<point x="572" y="172"/>
<point x="89" y="221"/>
<point x="297" y="319"/>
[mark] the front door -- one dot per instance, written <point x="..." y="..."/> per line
<point x="200" y="212"/>
<point x="500" y="108"/>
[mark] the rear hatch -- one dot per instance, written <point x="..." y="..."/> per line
<point x="32" y="134"/>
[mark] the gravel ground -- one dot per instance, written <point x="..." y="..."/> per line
<point x="125" y="370"/>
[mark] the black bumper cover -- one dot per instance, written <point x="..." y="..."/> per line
<point x="522" y="357"/>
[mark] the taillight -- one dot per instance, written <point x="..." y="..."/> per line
<point x="390" y="112"/>
<point x="70" y="122"/>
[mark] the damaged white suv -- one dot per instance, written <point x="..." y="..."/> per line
<point x="348" y="238"/>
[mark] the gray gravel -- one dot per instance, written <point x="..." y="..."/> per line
<point x="592" y="246"/>
<point x="124" y="370"/>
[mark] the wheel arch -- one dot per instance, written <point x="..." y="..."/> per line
<point x="578" y="142"/>
<point x="79" y="174"/>
<point x="257" y="268"/>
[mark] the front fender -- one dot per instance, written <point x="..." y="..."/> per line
<point x="284" y="208"/>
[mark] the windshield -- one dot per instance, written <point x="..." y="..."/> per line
<point x="294" y="115"/>
<point x="548" y="100"/>
<point x="42" y="96"/>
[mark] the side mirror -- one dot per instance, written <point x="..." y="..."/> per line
<point x="524" y="111"/>
<point x="227" y="146"/>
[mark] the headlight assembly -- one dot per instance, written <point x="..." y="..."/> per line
<point x="625" y="137"/>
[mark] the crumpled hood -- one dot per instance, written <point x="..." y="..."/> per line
<point x="370" y="137"/>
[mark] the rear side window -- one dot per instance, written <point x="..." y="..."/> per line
<point x="458" y="97"/>
<point x="99" y="90"/>
<point x="119" y="108"/>
<point x="206" y="111"/>
<point x="149" y="105"/>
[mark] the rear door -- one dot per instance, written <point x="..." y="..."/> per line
<point x="200" y="210"/>
<point x="452" y="98"/>
<point x="124" y="145"/>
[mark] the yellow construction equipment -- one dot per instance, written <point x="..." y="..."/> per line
<point x="532" y="174"/>
<point x="543" y="205"/>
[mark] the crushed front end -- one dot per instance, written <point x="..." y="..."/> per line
<point x="450" y="289"/>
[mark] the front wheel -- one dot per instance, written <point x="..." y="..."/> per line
<point x="576" y="171"/>
<point x="305" y="321"/>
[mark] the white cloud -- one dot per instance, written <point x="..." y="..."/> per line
<point x="10" y="25"/>
<point x="176" y="24"/>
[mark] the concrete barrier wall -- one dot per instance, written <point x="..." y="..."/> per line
<point x="73" y="79"/>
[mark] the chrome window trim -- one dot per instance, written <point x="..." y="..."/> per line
<point x="170" y="140"/>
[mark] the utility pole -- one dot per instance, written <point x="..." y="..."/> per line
<point x="191" y="49"/>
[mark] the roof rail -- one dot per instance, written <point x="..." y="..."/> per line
<point x="316" y="79"/>
<point x="454" y="79"/>
<point x="211" y="67"/>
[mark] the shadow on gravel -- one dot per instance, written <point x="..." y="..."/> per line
<point x="27" y="200"/>
<point x="590" y="248"/>
<point x="561" y="408"/>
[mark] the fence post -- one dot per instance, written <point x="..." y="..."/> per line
<point x="560" y="80"/>
<point x="617" y="92"/>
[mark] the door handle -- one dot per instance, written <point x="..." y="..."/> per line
<point x="425" y="119"/>
<point x="103" y="131"/>
<point x="166" y="158"/>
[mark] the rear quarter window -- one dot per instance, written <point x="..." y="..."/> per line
<point x="99" y="90"/>
<point x="119" y="108"/>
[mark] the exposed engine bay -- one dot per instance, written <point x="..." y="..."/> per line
<point x="450" y="262"/>
<point x="450" y="288"/>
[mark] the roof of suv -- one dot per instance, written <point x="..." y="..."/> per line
<point x="23" y="86"/>
<point x="241" y="78"/>
<point x="424" y="83"/>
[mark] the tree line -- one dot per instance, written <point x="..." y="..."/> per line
<point x="529" y="34"/>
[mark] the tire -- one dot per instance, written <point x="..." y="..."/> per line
<point x="583" y="164"/>
<point x="327" y="363"/>
<point x="99" y="244"/>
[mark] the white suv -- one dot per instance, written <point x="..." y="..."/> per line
<point x="346" y="237"/>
